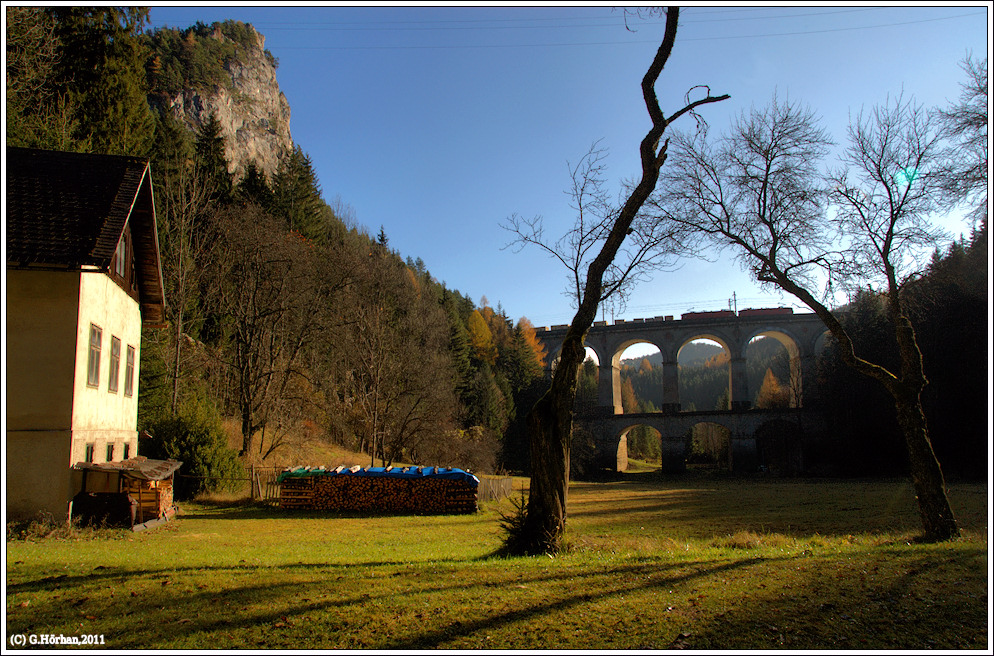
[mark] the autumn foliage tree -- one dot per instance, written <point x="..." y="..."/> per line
<point x="772" y="395"/>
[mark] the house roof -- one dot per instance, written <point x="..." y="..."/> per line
<point x="68" y="211"/>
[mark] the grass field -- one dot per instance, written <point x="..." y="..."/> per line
<point x="699" y="562"/>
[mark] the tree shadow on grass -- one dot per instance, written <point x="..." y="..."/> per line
<point x="257" y="510"/>
<point x="848" y="609"/>
<point x="213" y="601"/>
<point x="319" y="605"/>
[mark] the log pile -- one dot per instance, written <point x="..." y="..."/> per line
<point x="394" y="490"/>
<point x="154" y="498"/>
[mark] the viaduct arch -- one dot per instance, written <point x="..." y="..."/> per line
<point x="803" y="335"/>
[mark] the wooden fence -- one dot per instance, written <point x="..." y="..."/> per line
<point x="264" y="485"/>
<point x="493" y="488"/>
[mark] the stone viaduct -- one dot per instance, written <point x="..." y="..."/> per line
<point x="803" y="336"/>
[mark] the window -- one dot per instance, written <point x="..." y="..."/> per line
<point x="93" y="358"/>
<point x="120" y="256"/>
<point x="129" y="374"/>
<point x="110" y="453"/>
<point x="127" y="450"/>
<point x="89" y="453"/>
<point x="115" y="364"/>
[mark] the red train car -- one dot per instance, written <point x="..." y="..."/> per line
<point x="763" y="312"/>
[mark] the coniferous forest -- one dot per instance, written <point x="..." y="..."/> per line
<point x="289" y="320"/>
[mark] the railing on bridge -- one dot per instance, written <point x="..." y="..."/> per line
<point x="688" y="316"/>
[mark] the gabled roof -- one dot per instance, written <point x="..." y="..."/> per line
<point x="67" y="211"/>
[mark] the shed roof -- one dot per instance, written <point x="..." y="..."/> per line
<point x="138" y="467"/>
<point x="68" y="211"/>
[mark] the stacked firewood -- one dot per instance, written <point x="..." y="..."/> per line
<point x="354" y="490"/>
<point x="154" y="498"/>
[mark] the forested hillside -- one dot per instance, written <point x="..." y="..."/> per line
<point x="950" y="309"/>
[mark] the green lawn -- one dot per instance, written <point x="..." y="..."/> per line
<point x="697" y="562"/>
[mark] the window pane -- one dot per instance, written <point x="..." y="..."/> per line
<point x="121" y="255"/>
<point x="115" y="364"/>
<point x="110" y="453"/>
<point x="93" y="358"/>
<point x="129" y="372"/>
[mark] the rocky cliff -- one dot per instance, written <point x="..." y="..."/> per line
<point x="253" y="113"/>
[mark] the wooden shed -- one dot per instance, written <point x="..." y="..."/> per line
<point x="137" y="492"/>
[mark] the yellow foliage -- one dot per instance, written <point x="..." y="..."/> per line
<point x="537" y="347"/>
<point x="481" y="339"/>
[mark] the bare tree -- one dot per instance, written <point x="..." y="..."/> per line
<point x="38" y="114"/>
<point x="965" y="125"/>
<point x="651" y="245"/>
<point x="550" y="421"/>
<point x="270" y="302"/>
<point x="758" y="191"/>
<point x="396" y="371"/>
<point x="184" y="199"/>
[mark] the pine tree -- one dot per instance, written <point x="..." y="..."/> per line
<point x="297" y="196"/>
<point x="531" y="339"/>
<point x="459" y="348"/>
<point x="254" y="187"/>
<point x="211" y="160"/>
<point x="102" y="71"/>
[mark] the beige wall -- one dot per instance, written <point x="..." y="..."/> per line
<point x="37" y="475"/>
<point x="100" y="416"/>
<point x="52" y="414"/>
<point x="41" y="349"/>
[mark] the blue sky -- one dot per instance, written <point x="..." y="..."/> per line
<point x="437" y="123"/>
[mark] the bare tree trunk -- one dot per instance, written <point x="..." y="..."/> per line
<point x="177" y="353"/>
<point x="550" y="421"/>
<point x="550" y="428"/>
<point x="936" y="515"/>
<point x="938" y="522"/>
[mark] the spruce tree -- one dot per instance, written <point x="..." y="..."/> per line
<point x="254" y="187"/>
<point x="211" y="161"/>
<point x="297" y="197"/>
<point x="102" y="73"/>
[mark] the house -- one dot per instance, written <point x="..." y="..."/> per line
<point x="83" y="277"/>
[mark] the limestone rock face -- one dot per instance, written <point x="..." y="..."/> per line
<point x="253" y="113"/>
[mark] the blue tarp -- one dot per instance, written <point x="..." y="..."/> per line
<point x="449" y="473"/>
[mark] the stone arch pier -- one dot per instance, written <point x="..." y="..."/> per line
<point x="803" y="336"/>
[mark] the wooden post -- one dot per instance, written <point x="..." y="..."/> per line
<point x="252" y="484"/>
